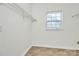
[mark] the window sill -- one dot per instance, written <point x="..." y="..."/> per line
<point x="54" y="30"/>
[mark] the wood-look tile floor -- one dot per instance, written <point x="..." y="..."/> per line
<point x="42" y="51"/>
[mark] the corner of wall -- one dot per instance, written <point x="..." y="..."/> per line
<point x="25" y="52"/>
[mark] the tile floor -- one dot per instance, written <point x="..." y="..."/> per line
<point x="43" y="51"/>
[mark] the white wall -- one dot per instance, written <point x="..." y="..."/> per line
<point x="26" y="6"/>
<point x="59" y="39"/>
<point x="15" y="37"/>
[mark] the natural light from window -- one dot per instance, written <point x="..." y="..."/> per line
<point x="54" y="20"/>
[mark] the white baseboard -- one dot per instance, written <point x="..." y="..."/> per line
<point x="60" y="47"/>
<point x="26" y="50"/>
<point x="49" y="46"/>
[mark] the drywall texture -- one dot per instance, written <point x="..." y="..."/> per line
<point x="15" y="37"/>
<point x="66" y="38"/>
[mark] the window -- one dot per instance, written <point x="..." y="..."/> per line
<point x="54" y="20"/>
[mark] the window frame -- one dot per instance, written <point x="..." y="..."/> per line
<point x="62" y="16"/>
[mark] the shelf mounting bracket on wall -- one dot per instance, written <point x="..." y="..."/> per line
<point x="76" y="15"/>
